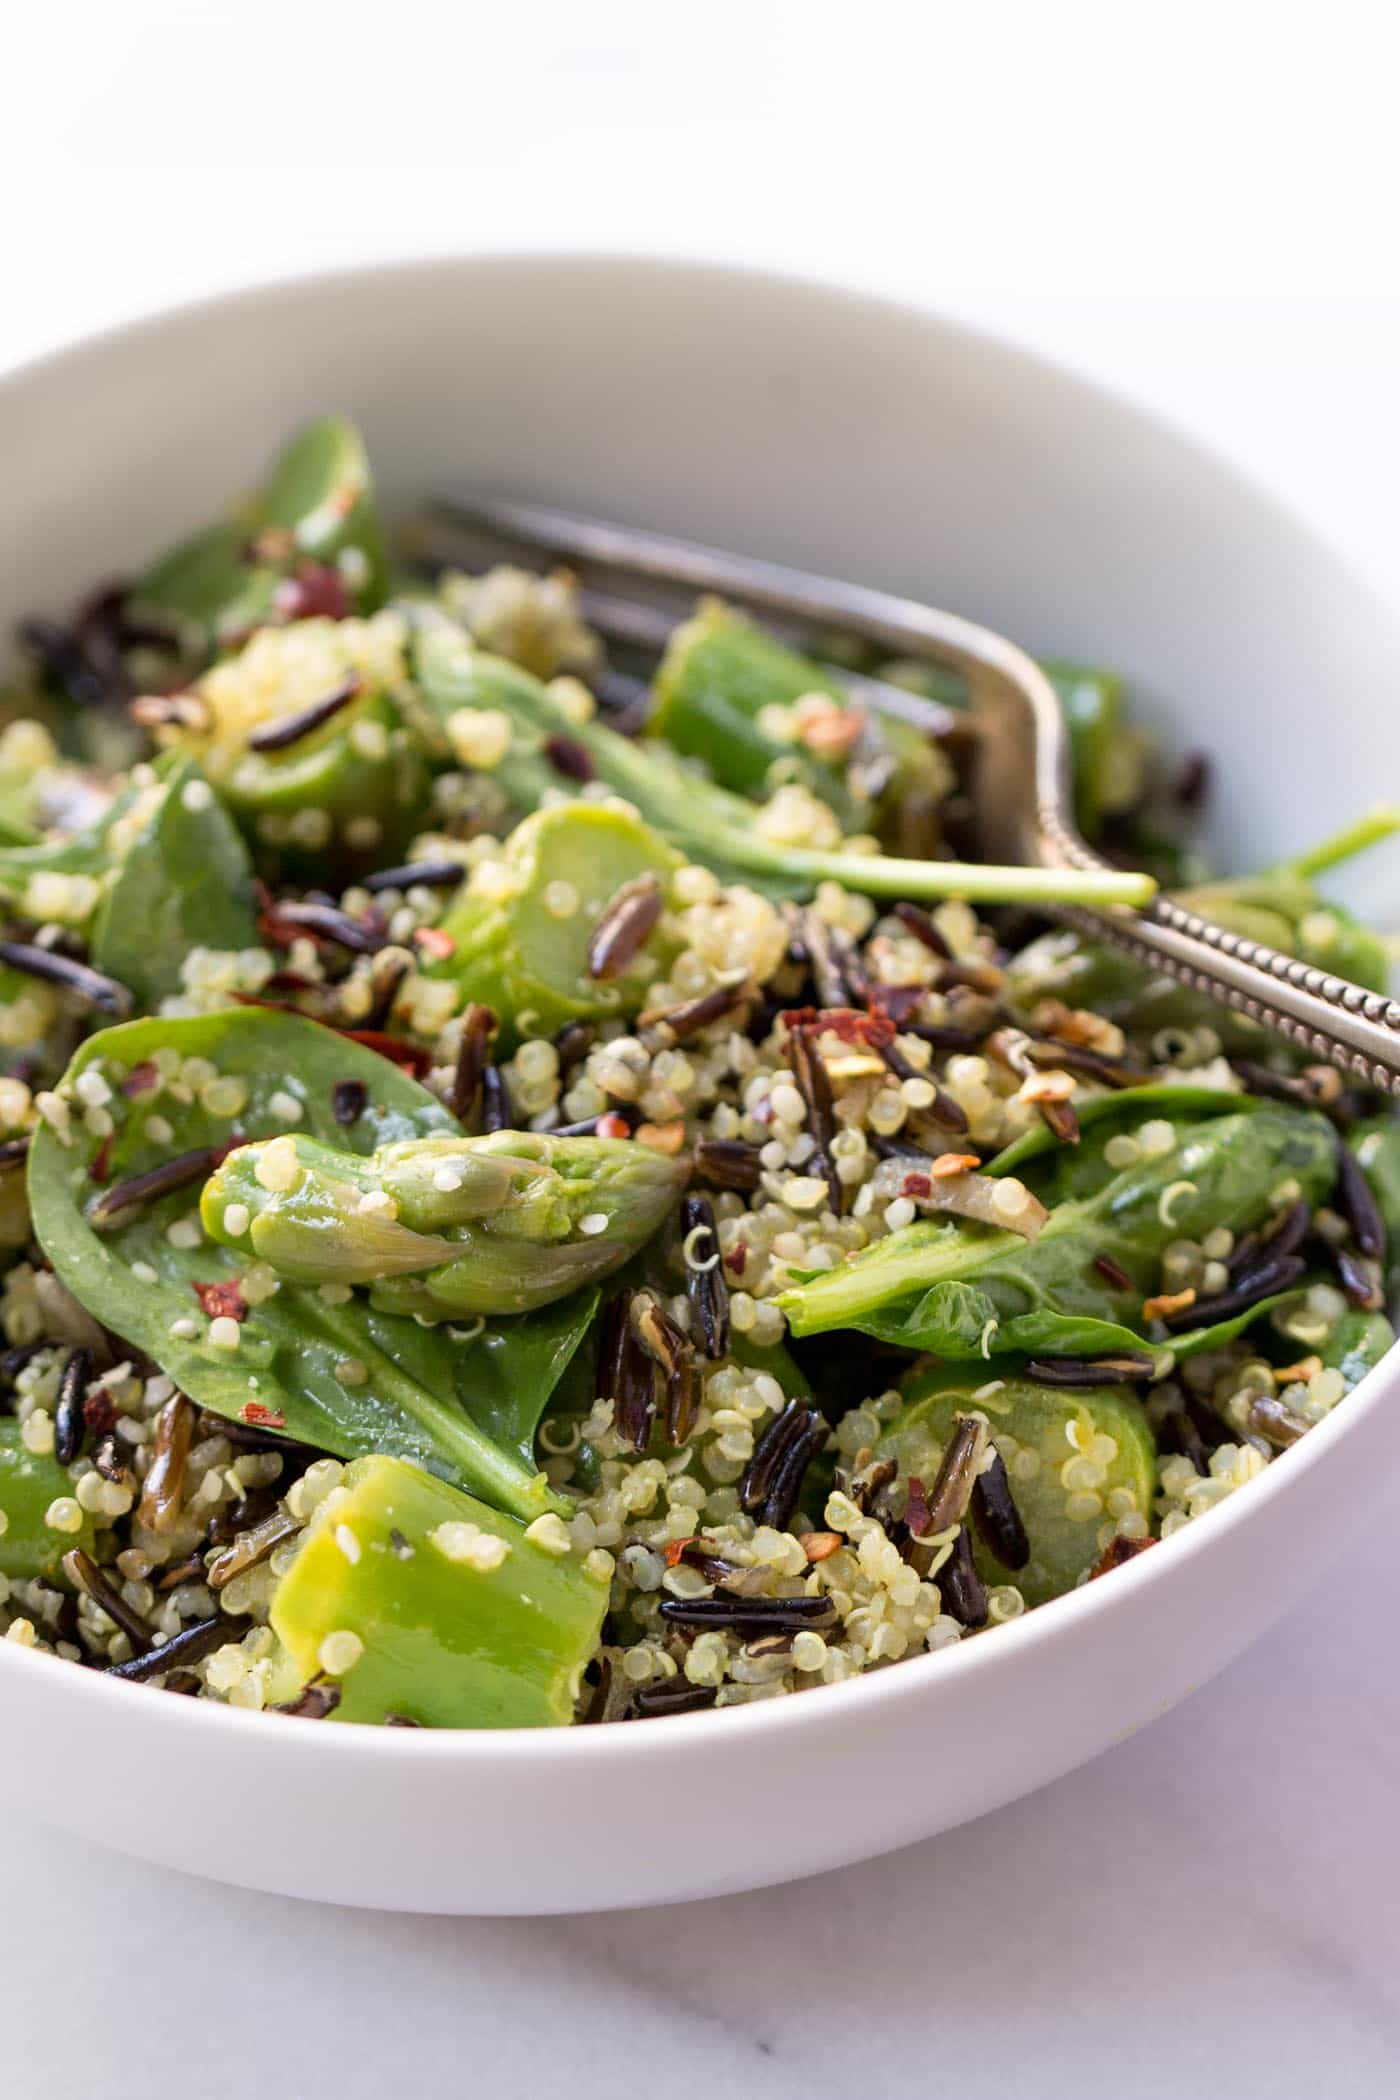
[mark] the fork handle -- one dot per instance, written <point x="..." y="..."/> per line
<point x="1329" y="1017"/>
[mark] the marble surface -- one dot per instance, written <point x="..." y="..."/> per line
<point x="1211" y="1907"/>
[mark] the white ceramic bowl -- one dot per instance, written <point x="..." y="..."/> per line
<point x="874" y="442"/>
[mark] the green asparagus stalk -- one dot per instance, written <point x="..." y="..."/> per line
<point x="441" y="1612"/>
<point x="443" y="1225"/>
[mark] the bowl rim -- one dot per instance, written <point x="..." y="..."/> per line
<point x="914" y="1678"/>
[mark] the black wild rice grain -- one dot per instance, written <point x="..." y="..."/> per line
<point x="727" y="1163"/>
<point x="677" y="1024"/>
<point x="1286" y="1238"/>
<point x="1060" y="1119"/>
<point x="1049" y="1053"/>
<point x="349" y="1100"/>
<point x="961" y="1588"/>
<point x="495" y="1100"/>
<point x="1111" y="1273"/>
<point x="947" y="1035"/>
<point x="1177" y="1432"/>
<point x="322" y="922"/>
<point x="110" y="1462"/>
<point x="569" y="757"/>
<point x="1192" y="783"/>
<point x="996" y="1516"/>
<point x="1361" y="1287"/>
<point x="706" y="1287"/>
<point x="190" y="1569"/>
<point x="171" y="1174"/>
<point x="478" y="1033"/>
<point x="1278" y="1423"/>
<point x="1357" y="1204"/>
<point x="785" y="1430"/>
<point x="947" y="1113"/>
<point x="670" y="1350"/>
<point x="814" y="1085"/>
<point x="865" y="1486"/>
<point x="85" y="984"/>
<point x="674" y="1696"/>
<point x="316" y="1700"/>
<point x="684" y="1395"/>
<point x="190" y="1645"/>
<point x="573" y="1043"/>
<point x="1085" y="1372"/>
<point x="1279" y="1273"/>
<point x="749" y="1615"/>
<point x="250" y="1547"/>
<point x="622" y="931"/>
<point x="417" y="875"/>
<point x="820" y="950"/>
<point x="387" y="974"/>
<point x="953" y="1483"/>
<point x="289" y="729"/>
<point x="85" y="1575"/>
<point x="778" y="1504"/>
<point x="612" y="1333"/>
<point x="13" y="1153"/>
<point x="68" y="1408"/>
<point x="14" y="1360"/>
<point x="164" y="1484"/>
<point x="921" y="924"/>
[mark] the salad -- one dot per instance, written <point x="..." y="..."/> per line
<point x="541" y="1190"/>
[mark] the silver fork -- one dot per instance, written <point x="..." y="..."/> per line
<point x="637" y="583"/>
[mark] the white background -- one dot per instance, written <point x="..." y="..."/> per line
<point x="1197" y="204"/>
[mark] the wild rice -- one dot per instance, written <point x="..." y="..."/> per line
<point x="622" y="931"/>
<point x="68" y="1424"/>
<point x="85" y="984"/>
<point x="285" y="730"/>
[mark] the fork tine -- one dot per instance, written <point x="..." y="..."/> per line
<point x="644" y="625"/>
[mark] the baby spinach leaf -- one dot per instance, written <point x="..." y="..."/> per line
<point x="323" y="1366"/>
<point x="962" y="1289"/>
<point x="185" y="881"/>
<point x="1054" y="1170"/>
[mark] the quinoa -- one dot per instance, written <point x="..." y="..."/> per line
<point x="749" y="1504"/>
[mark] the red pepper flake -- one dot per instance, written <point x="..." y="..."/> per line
<point x="316" y="592"/>
<point x="916" y="1185"/>
<point x="917" y="1515"/>
<point x="101" y="1160"/>
<point x="141" y="1078"/>
<point x="221" y="1301"/>
<point x="1117" y="1552"/>
<point x="260" y="1417"/>
<point x="434" y="942"/>
<point x="612" y="1125"/>
<point x="99" y="1412"/>
<point x="737" y="1256"/>
<point x="675" y="1549"/>
<point x="875" y="1030"/>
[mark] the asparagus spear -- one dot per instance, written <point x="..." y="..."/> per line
<point x="444" y="1225"/>
<point x="421" y="1604"/>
